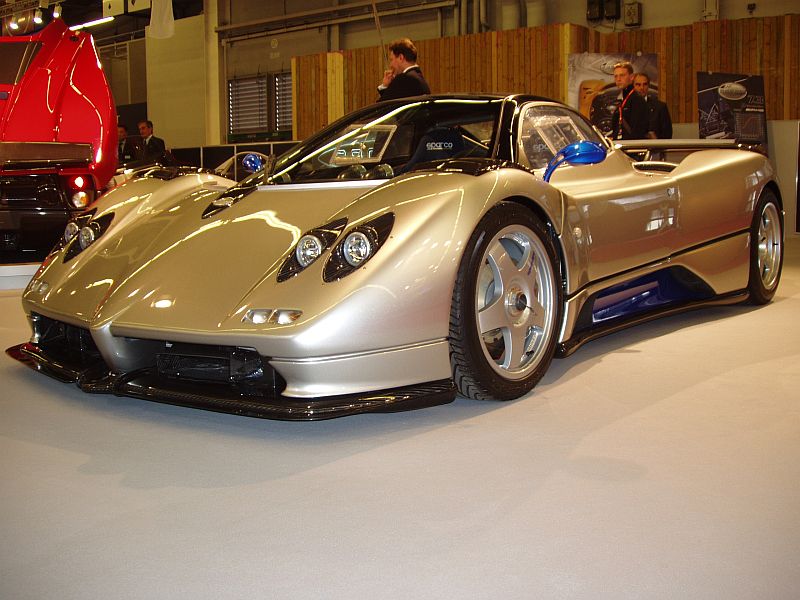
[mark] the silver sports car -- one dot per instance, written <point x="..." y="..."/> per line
<point x="411" y="251"/>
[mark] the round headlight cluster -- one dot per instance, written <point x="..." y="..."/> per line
<point x="80" y="199"/>
<point x="86" y="236"/>
<point x="308" y="250"/>
<point x="71" y="230"/>
<point x="356" y="248"/>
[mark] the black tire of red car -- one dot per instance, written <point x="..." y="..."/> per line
<point x="766" y="248"/>
<point x="506" y="307"/>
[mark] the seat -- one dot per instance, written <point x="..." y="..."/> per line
<point x="438" y="143"/>
<point x="537" y="152"/>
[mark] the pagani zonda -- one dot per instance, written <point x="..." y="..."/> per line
<point x="411" y="251"/>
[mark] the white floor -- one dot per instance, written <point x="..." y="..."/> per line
<point x="662" y="462"/>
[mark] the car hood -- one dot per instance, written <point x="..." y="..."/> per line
<point x="53" y="93"/>
<point x="162" y="265"/>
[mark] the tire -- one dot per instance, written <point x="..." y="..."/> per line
<point x="766" y="249"/>
<point x="507" y="306"/>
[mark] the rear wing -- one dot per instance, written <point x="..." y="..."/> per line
<point x="677" y="150"/>
<point x="43" y="155"/>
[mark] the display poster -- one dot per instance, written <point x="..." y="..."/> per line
<point x="591" y="86"/>
<point x="732" y="107"/>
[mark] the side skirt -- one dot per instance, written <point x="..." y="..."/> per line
<point x="569" y="346"/>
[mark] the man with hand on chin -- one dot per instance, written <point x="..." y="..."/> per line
<point x="404" y="77"/>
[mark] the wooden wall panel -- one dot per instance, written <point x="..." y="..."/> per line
<point x="534" y="60"/>
<point x="790" y="77"/>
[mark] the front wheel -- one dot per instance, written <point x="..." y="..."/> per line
<point x="507" y="305"/>
<point x="766" y="249"/>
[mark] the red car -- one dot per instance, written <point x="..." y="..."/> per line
<point x="58" y="137"/>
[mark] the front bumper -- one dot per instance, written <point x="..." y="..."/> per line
<point x="254" y="396"/>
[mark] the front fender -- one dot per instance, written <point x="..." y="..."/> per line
<point x="401" y="296"/>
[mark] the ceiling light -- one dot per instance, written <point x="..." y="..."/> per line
<point x="92" y="23"/>
<point x="37" y="16"/>
<point x="12" y="24"/>
<point x="57" y="11"/>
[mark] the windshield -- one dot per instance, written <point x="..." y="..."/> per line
<point x="387" y="139"/>
<point x="546" y="129"/>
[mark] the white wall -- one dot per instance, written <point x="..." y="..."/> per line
<point x="137" y="67"/>
<point x="271" y="53"/>
<point x="177" y="84"/>
<point x="784" y="154"/>
<point x="124" y="65"/>
<point x="216" y="89"/>
<point x="118" y="76"/>
<point x="418" y="26"/>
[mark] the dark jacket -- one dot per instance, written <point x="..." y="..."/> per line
<point x="410" y="83"/>
<point x="153" y="149"/>
<point x="635" y="117"/>
<point x="660" y="121"/>
<point x="128" y="150"/>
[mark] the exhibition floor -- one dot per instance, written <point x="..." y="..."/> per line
<point x="661" y="462"/>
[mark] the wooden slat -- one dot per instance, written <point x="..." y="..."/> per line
<point x="787" y="58"/>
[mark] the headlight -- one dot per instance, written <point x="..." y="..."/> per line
<point x="86" y="236"/>
<point x="310" y="247"/>
<point x="308" y="250"/>
<point x="80" y="189"/>
<point x="359" y="245"/>
<point x="356" y="248"/>
<point x="81" y="199"/>
<point x="275" y="316"/>
<point x="83" y="232"/>
<point x="71" y="230"/>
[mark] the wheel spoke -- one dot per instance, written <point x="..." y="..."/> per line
<point x="537" y="316"/>
<point x="515" y="340"/>
<point x="493" y="316"/>
<point x="502" y="265"/>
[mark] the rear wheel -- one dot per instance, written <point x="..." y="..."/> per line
<point x="506" y="308"/>
<point x="766" y="249"/>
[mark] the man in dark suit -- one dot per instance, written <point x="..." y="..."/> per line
<point x="128" y="148"/>
<point x="660" y="122"/>
<point x="153" y="148"/>
<point x="631" y="120"/>
<point x="404" y="77"/>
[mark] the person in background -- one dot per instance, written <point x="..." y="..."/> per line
<point x="631" y="120"/>
<point x="153" y="148"/>
<point x="404" y="77"/>
<point x="660" y="121"/>
<point x="128" y="148"/>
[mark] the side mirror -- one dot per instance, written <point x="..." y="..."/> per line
<point x="579" y="153"/>
<point x="252" y="162"/>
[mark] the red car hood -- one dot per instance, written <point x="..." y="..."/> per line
<point x="53" y="92"/>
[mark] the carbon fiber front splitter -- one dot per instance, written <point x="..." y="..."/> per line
<point x="146" y="384"/>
